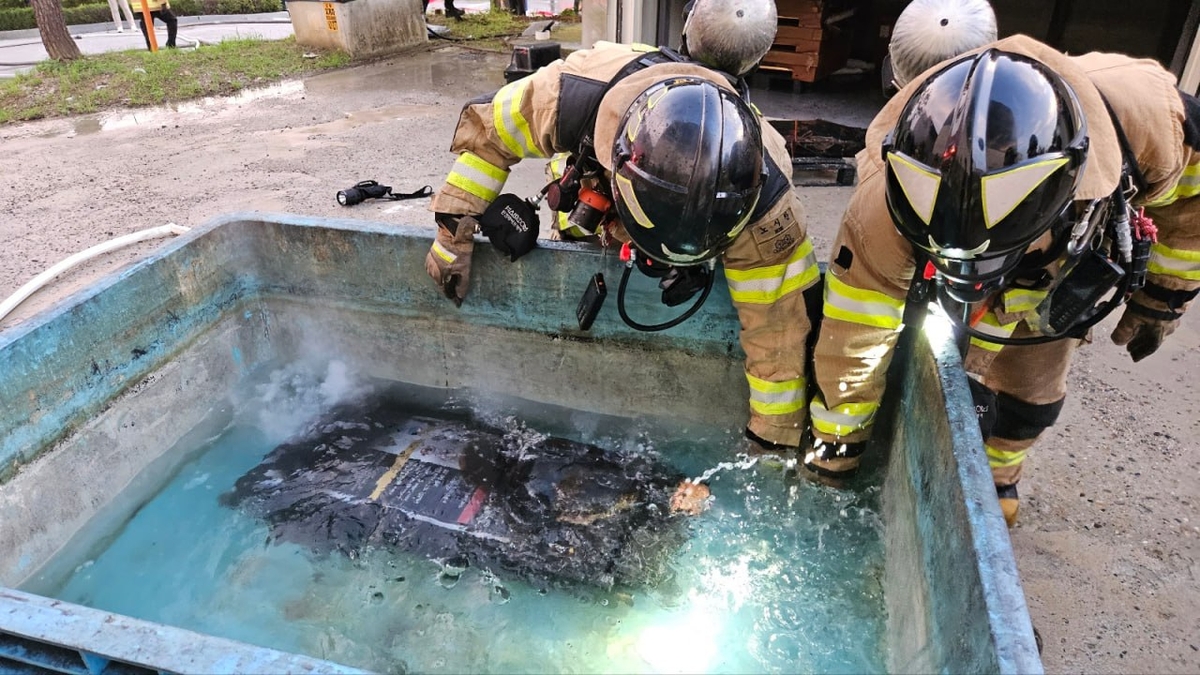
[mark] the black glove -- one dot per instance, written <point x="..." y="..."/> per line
<point x="511" y="224"/>
<point x="764" y="443"/>
<point x="834" y="460"/>
<point x="1142" y="335"/>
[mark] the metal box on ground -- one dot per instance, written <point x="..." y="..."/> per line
<point x="359" y="28"/>
<point x="527" y="57"/>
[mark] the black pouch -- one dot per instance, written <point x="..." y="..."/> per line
<point x="511" y="224"/>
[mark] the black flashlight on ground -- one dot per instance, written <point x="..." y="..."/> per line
<point x="362" y="191"/>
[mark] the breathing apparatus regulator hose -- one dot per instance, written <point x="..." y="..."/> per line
<point x="651" y="328"/>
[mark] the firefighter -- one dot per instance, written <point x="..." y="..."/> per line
<point x="693" y="174"/>
<point x="161" y="10"/>
<point x="1004" y="178"/>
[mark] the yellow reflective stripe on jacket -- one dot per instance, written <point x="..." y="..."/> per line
<point x="1001" y="458"/>
<point x="510" y="123"/>
<point x="558" y="165"/>
<point x="856" y="305"/>
<point x="776" y="398"/>
<point x="989" y="325"/>
<point x="844" y="419"/>
<point x="766" y="285"/>
<point x="1174" y="262"/>
<point x="473" y="175"/>
<point x="441" y="252"/>
<point x="1017" y="300"/>
<point x="1188" y="186"/>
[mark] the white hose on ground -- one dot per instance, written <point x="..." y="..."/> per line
<point x="44" y="278"/>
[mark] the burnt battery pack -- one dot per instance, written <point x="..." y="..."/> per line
<point x="528" y="57"/>
<point x="546" y="509"/>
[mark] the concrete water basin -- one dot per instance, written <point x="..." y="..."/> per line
<point x="102" y="389"/>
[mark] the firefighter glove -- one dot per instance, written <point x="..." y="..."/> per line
<point x="1151" y="315"/>
<point x="449" y="259"/>
<point x="511" y="224"/>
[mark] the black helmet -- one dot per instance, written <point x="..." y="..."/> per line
<point x="984" y="160"/>
<point x="687" y="169"/>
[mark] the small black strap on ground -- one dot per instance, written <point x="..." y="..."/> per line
<point x="426" y="191"/>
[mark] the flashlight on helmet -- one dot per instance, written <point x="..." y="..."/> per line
<point x="362" y="191"/>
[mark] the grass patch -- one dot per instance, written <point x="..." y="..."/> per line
<point x="141" y="78"/>
<point x="494" y="30"/>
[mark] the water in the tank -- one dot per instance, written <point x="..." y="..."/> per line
<point x="778" y="575"/>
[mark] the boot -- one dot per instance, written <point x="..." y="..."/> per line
<point x="453" y="12"/>
<point x="769" y="453"/>
<point x="1009" y="503"/>
<point x="832" y="464"/>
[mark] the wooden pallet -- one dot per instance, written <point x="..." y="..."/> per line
<point x="821" y="146"/>
<point x="844" y="169"/>
<point x="806" y="45"/>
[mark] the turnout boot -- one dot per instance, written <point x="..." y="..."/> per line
<point x="832" y="464"/>
<point x="1009" y="503"/>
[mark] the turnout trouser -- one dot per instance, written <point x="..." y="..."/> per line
<point x="166" y="16"/>
<point x="1030" y="382"/>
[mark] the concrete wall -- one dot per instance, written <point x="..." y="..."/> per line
<point x="954" y="597"/>
<point x="359" y="27"/>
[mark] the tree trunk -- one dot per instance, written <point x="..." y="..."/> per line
<point x="53" y="27"/>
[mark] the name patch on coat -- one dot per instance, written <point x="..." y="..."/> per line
<point x="778" y="235"/>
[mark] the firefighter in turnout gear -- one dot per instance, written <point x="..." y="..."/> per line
<point x="1011" y="184"/>
<point x="692" y="175"/>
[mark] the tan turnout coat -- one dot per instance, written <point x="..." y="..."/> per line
<point x="767" y="267"/>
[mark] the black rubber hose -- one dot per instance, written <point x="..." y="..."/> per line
<point x="658" y="326"/>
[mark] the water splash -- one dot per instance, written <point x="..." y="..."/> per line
<point x="742" y="462"/>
